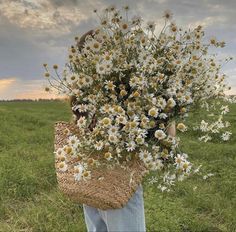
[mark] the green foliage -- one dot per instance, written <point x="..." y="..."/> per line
<point x="30" y="200"/>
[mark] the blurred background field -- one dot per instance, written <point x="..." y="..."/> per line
<point x="30" y="201"/>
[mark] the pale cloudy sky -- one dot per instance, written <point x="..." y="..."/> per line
<point x="33" y="32"/>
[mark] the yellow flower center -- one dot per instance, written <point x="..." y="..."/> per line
<point x="61" y="165"/>
<point x="123" y="92"/>
<point x="68" y="150"/>
<point x="106" y="121"/>
<point x="152" y="112"/>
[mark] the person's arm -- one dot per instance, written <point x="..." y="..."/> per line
<point x="171" y="130"/>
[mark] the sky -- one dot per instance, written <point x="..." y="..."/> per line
<point x="33" y="32"/>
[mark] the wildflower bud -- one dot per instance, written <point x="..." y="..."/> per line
<point x="73" y="50"/>
<point x="130" y="113"/>
<point x="136" y="94"/>
<point x="133" y="124"/>
<point x="79" y="158"/>
<point x="152" y="123"/>
<point x="123" y="92"/>
<point x="162" y="126"/>
<point x="183" y="110"/>
<point x="47" y="75"/>
<point x="47" y="89"/>
<point x="90" y="161"/>
<point x="45" y="65"/>
<point x="55" y="66"/>
<point x="69" y="150"/>
<point x="126" y="7"/>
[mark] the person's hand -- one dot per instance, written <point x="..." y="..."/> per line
<point x="171" y="129"/>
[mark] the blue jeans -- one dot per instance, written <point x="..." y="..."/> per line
<point x="130" y="218"/>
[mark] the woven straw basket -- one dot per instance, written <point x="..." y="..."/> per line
<point x="110" y="192"/>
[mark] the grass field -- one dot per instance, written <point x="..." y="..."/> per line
<point x="30" y="201"/>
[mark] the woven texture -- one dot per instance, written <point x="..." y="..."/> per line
<point x="112" y="191"/>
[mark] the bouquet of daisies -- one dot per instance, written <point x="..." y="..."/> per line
<point x="136" y="83"/>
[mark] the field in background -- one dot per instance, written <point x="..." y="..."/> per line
<point x="30" y="201"/>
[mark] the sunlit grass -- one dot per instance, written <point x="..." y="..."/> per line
<point x="30" y="200"/>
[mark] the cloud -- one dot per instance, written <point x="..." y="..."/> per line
<point x="6" y="83"/>
<point x="42" y="15"/>
<point x="33" y="32"/>
<point x="209" y="21"/>
<point x="15" y="88"/>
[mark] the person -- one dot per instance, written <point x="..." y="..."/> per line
<point x="130" y="218"/>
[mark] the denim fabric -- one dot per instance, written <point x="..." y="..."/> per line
<point x="130" y="218"/>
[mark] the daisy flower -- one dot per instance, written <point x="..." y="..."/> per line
<point x="225" y="109"/>
<point x="62" y="166"/>
<point x="99" y="145"/>
<point x="68" y="150"/>
<point x="107" y="57"/>
<point x="100" y="68"/>
<point x="226" y="136"/>
<point x="161" y="102"/>
<point x="108" y="155"/>
<point x="73" y="141"/>
<point x="59" y="152"/>
<point x="80" y="107"/>
<point x="171" y="102"/>
<point x="163" y="116"/>
<point x="134" y="81"/>
<point x="186" y="166"/>
<point x="203" y="126"/>
<point x="61" y="157"/>
<point x="168" y="14"/>
<point x="81" y="123"/>
<point x="73" y="78"/>
<point x="112" y="138"/>
<point x="145" y="155"/>
<point x="153" y="112"/>
<point x="113" y="130"/>
<point x="179" y="159"/>
<point x="78" y="170"/>
<point x="121" y="119"/>
<point x="139" y="140"/>
<point x="130" y="146"/>
<point x="109" y="85"/>
<point x="104" y="67"/>
<point x="124" y="26"/>
<point x="160" y="134"/>
<point x="151" y="26"/>
<point x="86" y="175"/>
<point x="181" y="127"/>
<point x="106" y="122"/>
<point x="95" y="46"/>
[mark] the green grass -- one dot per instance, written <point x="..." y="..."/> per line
<point x="30" y="201"/>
